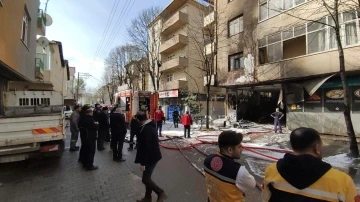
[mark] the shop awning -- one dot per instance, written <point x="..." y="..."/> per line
<point x="313" y="85"/>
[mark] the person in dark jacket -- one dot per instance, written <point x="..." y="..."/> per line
<point x="90" y="127"/>
<point x="118" y="132"/>
<point x="107" y="136"/>
<point x="82" y="132"/>
<point x="134" y="130"/>
<point x="97" y="111"/>
<point x="176" y="118"/>
<point x="74" y="128"/>
<point x="148" y="155"/>
<point x="103" y="127"/>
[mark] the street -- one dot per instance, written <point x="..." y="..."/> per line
<point x="63" y="179"/>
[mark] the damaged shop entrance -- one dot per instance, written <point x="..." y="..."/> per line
<point x="255" y="104"/>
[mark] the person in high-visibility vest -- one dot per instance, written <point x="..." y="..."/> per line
<point x="226" y="179"/>
<point x="303" y="176"/>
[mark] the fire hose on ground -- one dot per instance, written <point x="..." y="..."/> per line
<point x="202" y="142"/>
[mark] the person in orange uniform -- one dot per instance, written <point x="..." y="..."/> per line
<point x="187" y="121"/>
<point x="158" y="116"/>
<point x="226" y="179"/>
<point x="303" y="176"/>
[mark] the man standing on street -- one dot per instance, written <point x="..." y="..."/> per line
<point x="148" y="155"/>
<point x="226" y="179"/>
<point x="134" y="130"/>
<point x="90" y="126"/>
<point x="187" y="122"/>
<point x="118" y="132"/>
<point x="175" y="116"/>
<point x="74" y="128"/>
<point x="303" y="176"/>
<point x="159" y="116"/>
<point x="277" y="115"/>
<point x="102" y="118"/>
<point x="82" y="133"/>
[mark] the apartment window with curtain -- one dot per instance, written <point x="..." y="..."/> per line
<point x="309" y="38"/>
<point x="25" y="30"/>
<point x="236" y="26"/>
<point x="271" y="8"/>
<point x="236" y="61"/>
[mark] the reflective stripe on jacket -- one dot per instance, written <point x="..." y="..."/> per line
<point x="221" y="173"/>
<point x="334" y="185"/>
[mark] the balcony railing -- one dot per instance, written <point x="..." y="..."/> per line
<point x="39" y="69"/>
<point x="179" y="84"/>
<point x="209" y="19"/>
<point x="174" y="43"/>
<point x="41" y="22"/>
<point x="175" y="22"/>
<point x="173" y="64"/>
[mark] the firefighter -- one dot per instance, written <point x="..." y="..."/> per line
<point x="303" y="176"/>
<point x="227" y="180"/>
<point x="187" y="122"/>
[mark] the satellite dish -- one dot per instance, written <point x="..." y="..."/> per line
<point x="43" y="41"/>
<point x="49" y="20"/>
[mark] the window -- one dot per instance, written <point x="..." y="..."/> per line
<point x="236" y="26"/>
<point x="312" y="37"/>
<point x="24" y="101"/>
<point x="236" y="61"/>
<point x="170" y="77"/>
<point x="25" y="31"/>
<point x="271" y="8"/>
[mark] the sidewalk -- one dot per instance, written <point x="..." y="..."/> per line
<point x="65" y="180"/>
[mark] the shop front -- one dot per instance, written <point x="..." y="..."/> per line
<point x="322" y="109"/>
<point x="168" y="100"/>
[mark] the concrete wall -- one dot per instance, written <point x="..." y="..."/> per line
<point x="328" y="123"/>
<point x="13" y="52"/>
<point x="57" y="74"/>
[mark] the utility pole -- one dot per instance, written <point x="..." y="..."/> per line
<point x="82" y="76"/>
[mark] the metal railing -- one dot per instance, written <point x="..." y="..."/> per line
<point x="41" y="19"/>
<point x="39" y="68"/>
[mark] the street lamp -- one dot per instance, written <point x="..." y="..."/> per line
<point x="83" y="76"/>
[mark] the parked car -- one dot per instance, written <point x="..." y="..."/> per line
<point x="67" y="112"/>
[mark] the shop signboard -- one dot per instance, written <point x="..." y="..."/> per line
<point x="169" y="94"/>
<point x="313" y="103"/>
<point x="334" y="100"/>
<point x="356" y="99"/>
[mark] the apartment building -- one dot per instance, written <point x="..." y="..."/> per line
<point x="19" y="22"/>
<point x="70" y="98"/>
<point x="177" y="41"/>
<point x="25" y="63"/>
<point x="294" y="61"/>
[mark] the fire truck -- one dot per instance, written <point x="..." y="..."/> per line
<point x="133" y="101"/>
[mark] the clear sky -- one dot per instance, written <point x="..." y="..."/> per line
<point x="80" y="24"/>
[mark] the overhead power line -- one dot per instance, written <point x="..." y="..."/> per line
<point x="126" y="9"/>
<point x="108" y="24"/>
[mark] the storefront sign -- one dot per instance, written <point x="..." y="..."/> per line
<point x="334" y="100"/>
<point x="356" y="98"/>
<point x="169" y="94"/>
<point x="313" y="103"/>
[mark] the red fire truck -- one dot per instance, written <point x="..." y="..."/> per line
<point x="133" y="101"/>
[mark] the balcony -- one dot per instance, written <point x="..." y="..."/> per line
<point x="212" y="82"/>
<point x="209" y="19"/>
<point x="174" y="44"/>
<point x="175" y="22"/>
<point x="209" y="48"/>
<point x="179" y="84"/>
<point x="41" y="21"/>
<point x="39" y="69"/>
<point x="174" y="64"/>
